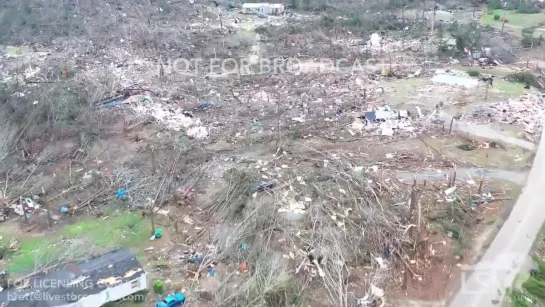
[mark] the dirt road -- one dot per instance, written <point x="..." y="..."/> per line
<point x="491" y="134"/>
<point x="484" y="284"/>
<point x="475" y="174"/>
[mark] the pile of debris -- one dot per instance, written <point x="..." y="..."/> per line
<point x="377" y="45"/>
<point x="171" y="116"/>
<point x="527" y="112"/>
<point x="22" y="207"/>
<point x="385" y="120"/>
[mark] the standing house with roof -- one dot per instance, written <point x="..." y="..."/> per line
<point x="92" y="283"/>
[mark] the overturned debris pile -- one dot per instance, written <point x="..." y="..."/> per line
<point x="527" y="112"/>
<point x="384" y="121"/>
<point x="377" y="45"/>
<point x="171" y="116"/>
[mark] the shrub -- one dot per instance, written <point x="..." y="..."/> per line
<point x="535" y="287"/>
<point x="494" y="5"/>
<point x="473" y="73"/>
<point x="466" y="35"/>
<point x="527" y="7"/>
<point x="521" y="77"/>
<point x="528" y="41"/>
<point x="496" y="17"/>
<point x="519" y="298"/>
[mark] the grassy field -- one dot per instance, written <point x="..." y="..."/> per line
<point x="516" y="21"/>
<point x="118" y="230"/>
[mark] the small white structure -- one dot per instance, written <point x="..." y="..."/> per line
<point x="263" y="8"/>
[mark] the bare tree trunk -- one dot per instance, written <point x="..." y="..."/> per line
<point x="278" y="134"/>
<point x="503" y="22"/>
<point x="151" y="216"/>
<point x="433" y="21"/>
<point x="153" y="161"/>
<point x="403" y="16"/>
<point x="47" y="209"/>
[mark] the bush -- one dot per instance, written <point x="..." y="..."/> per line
<point x="528" y="41"/>
<point x="496" y="17"/>
<point x="473" y="73"/>
<point x="535" y="287"/>
<point x="494" y="5"/>
<point x="527" y="7"/>
<point x="466" y="35"/>
<point x="519" y="298"/>
<point x="521" y="77"/>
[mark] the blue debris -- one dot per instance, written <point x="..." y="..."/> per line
<point x="256" y="127"/>
<point x="264" y="185"/>
<point x="64" y="209"/>
<point x="243" y="246"/>
<point x="146" y="99"/>
<point x="121" y="193"/>
<point x="158" y="233"/>
<point x="371" y="116"/>
<point x="197" y="259"/>
<point x="206" y="106"/>
<point x="113" y="103"/>
<point x="212" y="272"/>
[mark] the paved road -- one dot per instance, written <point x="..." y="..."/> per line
<point x="504" y="258"/>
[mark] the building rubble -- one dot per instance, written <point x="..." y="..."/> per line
<point x="171" y="116"/>
<point x="384" y="121"/>
<point x="527" y="112"/>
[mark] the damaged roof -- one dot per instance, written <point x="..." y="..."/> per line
<point x="71" y="283"/>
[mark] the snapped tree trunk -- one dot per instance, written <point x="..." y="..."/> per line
<point x="151" y="216"/>
<point x="48" y="211"/>
<point x="433" y="20"/>
<point x="424" y="9"/>
<point x="503" y="22"/>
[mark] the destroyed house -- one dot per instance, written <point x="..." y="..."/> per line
<point x="92" y="283"/>
<point x="262" y="8"/>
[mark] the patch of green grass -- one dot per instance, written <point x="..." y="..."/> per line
<point x="516" y="21"/>
<point x="402" y="90"/>
<point x="490" y="221"/>
<point x="509" y="89"/>
<point x="118" y="230"/>
<point x="123" y="230"/>
<point x="500" y="71"/>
